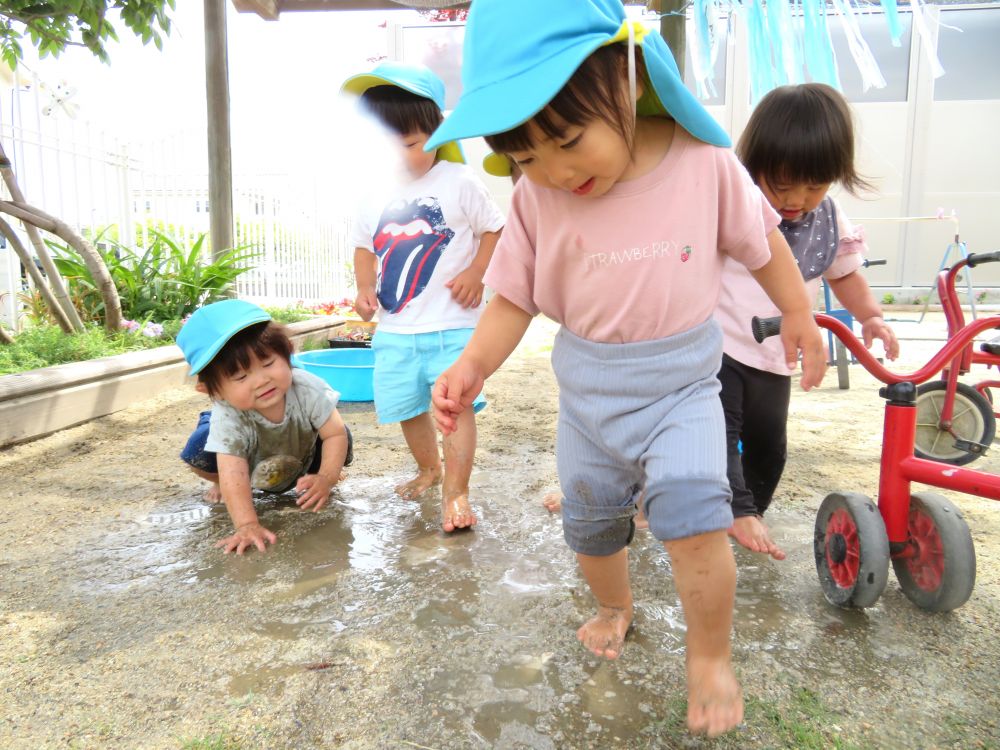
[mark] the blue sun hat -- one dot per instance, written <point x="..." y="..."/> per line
<point x="518" y="54"/>
<point x="211" y="327"/>
<point x="417" y="79"/>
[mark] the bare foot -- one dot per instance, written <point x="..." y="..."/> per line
<point x="604" y="633"/>
<point x="715" y="700"/>
<point x="213" y="494"/>
<point x="423" y="481"/>
<point x="553" y="504"/>
<point x="752" y="533"/>
<point x="456" y="513"/>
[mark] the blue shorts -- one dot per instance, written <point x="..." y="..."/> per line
<point x="195" y="455"/>
<point x="406" y="366"/>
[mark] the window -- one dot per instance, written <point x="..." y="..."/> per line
<point x="970" y="54"/>
<point x="894" y="62"/>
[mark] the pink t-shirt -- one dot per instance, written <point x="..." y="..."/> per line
<point x="742" y="298"/>
<point x="641" y="262"/>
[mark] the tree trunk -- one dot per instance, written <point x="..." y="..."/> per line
<point x="55" y="279"/>
<point x="95" y="264"/>
<point x="673" y="21"/>
<point x="36" y="276"/>
<point x="5" y="338"/>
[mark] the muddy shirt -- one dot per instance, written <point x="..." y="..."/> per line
<point x="247" y="434"/>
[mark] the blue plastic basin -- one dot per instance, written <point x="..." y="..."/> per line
<point x="348" y="371"/>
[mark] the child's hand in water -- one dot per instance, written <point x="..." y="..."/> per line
<point x="313" y="491"/>
<point x="799" y="332"/>
<point x="454" y="392"/>
<point x="248" y="535"/>
<point x="876" y="328"/>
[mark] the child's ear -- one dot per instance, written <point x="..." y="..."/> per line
<point x="201" y="387"/>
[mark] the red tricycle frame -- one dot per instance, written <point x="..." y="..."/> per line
<point x="922" y="534"/>
<point x="958" y="421"/>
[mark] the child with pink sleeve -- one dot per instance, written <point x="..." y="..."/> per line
<point x="799" y="141"/>
<point x="628" y="206"/>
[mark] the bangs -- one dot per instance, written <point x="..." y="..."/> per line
<point x="596" y="91"/>
<point x="801" y="134"/>
<point x="402" y="111"/>
<point x="262" y="340"/>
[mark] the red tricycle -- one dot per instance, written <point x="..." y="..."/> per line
<point x="956" y="422"/>
<point x="922" y="533"/>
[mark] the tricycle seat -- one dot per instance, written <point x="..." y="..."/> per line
<point x="992" y="346"/>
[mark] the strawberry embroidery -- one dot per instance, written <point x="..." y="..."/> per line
<point x="686" y="253"/>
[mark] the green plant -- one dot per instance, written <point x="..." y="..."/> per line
<point x="293" y="314"/>
<point x="981" y="297"/>
<point x="57" y="24"/>
<point x="164" y="282"/>
<point x="46" y="345"/>
<point x="33" y="307"/>
<point x="888" y="299"/>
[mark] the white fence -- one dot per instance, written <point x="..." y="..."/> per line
<point x="95" y="182"/>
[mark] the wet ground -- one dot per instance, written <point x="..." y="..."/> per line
<point x="366" y="627"/>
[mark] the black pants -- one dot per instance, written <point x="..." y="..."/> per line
<point x="755" y="403"/>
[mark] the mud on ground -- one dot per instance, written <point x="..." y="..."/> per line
<point x="366" y="627"/>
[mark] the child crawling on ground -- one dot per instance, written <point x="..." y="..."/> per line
<point x="270" y="426"/>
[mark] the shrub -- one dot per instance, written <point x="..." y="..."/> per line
<point x="164" y="283"/>
<point x="42" y="346"/>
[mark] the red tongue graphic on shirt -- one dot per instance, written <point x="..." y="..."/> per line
<point x="410" y="240"/>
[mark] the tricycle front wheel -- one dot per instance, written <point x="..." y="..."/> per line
<point x="851" y="549"/>
<point x="939" y="571"/>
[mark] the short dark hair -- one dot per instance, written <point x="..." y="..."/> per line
<point x="801" y="134"/>
<point x="402" y="111"/>
<point x="263" y="339"/>
<point x="594" y="92"/>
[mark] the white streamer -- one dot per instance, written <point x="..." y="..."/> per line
<point x="871" y="75"/>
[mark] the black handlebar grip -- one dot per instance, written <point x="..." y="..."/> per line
<point x="765" y="328"/>
<point x="975" y="259"/>
<point x="877" y="262"/>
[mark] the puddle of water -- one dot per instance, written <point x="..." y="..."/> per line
<point x="505" y="598"/>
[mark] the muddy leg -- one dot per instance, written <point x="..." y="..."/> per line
<point x="607" y="576"/>
<point x="421" y="438"/>
<point x="459" y="453"/>
<point x="705" y="576"/>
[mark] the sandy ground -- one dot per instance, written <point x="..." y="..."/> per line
<point x="366" y="627"/>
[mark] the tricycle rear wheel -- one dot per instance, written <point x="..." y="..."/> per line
<point x="851" y="549"/>
<point x="972" y="420"/>
<point x="941" y="573"/>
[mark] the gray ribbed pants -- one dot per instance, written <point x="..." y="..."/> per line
<point x="643" y="415"/>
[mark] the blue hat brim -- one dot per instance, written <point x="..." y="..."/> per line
<point x="359" y="84"/>
<point x="502" y="105"/>
<point x="208" y="355"/>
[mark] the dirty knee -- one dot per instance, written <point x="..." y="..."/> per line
<point x="598" y="537"/>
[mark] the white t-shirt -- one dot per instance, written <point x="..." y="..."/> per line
<point x="426" y="235"/>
